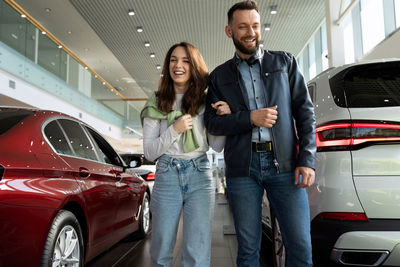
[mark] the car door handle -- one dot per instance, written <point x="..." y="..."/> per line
<point x="83" y="172"/>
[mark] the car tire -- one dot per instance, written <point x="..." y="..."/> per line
<point x="278" y="249"/>
<point x="144" y="218"/>
<point x="64" y="244"/>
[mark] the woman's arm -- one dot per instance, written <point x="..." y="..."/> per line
<point x="155" y="143"/>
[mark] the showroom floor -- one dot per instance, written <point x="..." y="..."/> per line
<point x="135" y="253"/>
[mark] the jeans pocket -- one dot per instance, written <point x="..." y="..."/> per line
<point x="203" y="166"/>
<point x="162" y="166"/>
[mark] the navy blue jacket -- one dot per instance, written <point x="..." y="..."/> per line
<point x="293" y="135"/>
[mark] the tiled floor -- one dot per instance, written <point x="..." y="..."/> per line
<point x="135" y="253"/>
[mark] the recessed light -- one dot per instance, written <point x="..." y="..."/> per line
<point x="104" y="83"/>
<point x="267" y="26"/>
<point x="158" y="67"/>
<point x="69" y="32"/>
<point x="273" y="10"/>
<point x="146" y="44"/>
<point x="139" y="29"/>
<point x="23" y="16"/>
<point x="43" y="32"/>
<point x="48" y="10"/>
<point x="131" y="12"/>
<point x="152" y="55"/>
<point x="60" y="46"/>
<point x="86" y="67"/>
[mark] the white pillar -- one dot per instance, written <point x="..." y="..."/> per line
<point x="334" y="33"/>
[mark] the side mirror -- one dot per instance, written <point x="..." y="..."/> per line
<point x="134" y="161"/>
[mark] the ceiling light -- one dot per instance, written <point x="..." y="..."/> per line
<point x="131" y="12"/>
<point x="104" y="83"/>
<point x="60" y="46"/>
<point x="139" y="29"/>
<point x="146" y="44"/>
<point x="152" y="55"/>
<point x="86" y="68"/>
<point x="48" y="10"/>
<point x="267" y="26"/>
<point x="69" y="32"/>
<point x="158" y="67"/>
<point x="273" y="10"/>
<point x="23" y="16"/>
<point x="43" y="32"/>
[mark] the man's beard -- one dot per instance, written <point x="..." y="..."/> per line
<point x="248" y="51"/>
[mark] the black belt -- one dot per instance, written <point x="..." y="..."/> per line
<point x="262" y="146"/>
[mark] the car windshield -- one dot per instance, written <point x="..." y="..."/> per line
<point x="10" y="117"/>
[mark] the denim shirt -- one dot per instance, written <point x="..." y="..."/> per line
<point x="250" y="72"/>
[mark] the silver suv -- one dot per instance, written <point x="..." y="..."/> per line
<point x="355" y="201"/>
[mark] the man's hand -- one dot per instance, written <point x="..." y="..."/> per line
<point x="221" y="107"/>
<point x="265" y="117"/>
<point x="183" y="124"/>
<point x="307" y="176"/>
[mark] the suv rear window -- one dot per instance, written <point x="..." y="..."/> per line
<point x="11" y="116"/>
<point x="369" y="85"/>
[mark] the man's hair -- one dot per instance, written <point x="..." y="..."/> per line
<point x="244" y="5"/>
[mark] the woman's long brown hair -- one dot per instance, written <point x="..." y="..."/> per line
<point x="194" y="96"/>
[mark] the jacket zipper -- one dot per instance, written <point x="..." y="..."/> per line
<point x="275" y="160"/>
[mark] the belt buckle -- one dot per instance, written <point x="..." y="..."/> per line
<point x="263" y="147"/>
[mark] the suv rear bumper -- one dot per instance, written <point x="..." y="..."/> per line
<point x="329" y="234"/>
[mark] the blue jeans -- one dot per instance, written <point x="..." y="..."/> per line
<point x="182" y="185"/>
<point x="289" y="203"/>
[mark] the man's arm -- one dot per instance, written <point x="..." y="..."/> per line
<point x="231" y="124"/>
<point x="303" y="113"/>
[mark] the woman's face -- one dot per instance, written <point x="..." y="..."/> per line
<point x="179" y="67"/>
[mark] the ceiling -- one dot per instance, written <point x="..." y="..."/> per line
<point x="104" y="36"/>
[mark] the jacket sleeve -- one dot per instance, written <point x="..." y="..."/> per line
<point x="231" y="124"/>
<point x="303" y="113"/>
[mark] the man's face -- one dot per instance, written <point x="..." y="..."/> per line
<point x="245" y="32"/>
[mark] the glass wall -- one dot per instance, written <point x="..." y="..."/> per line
<point x="368" y="24"/>
<point x="37" y="49"/>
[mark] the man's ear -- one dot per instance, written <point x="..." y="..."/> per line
<point x="228" y="31"/>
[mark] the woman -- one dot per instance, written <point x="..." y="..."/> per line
<point x="174" y="133"/>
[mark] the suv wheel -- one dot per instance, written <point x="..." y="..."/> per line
<point x="278" y="249"/>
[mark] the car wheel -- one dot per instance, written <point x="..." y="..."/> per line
<point x="64" y="244"/>
<point x="144" y="219"/>
<point x="278" y="249"/>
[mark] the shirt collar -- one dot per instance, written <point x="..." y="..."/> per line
<point x="251" y="60"/>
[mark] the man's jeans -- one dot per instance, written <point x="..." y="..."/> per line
<point x="188" y="185"/>
<point x="289" y="203"/>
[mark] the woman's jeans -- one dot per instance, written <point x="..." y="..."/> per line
<point x="289" y="203"/>
<point x="182" y="186"/>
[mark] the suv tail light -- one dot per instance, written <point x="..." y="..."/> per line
<point x="343" y="216"/>
<point x="150" y="176"/>
<point x="353" y="135"/>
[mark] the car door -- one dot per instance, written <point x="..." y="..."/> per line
<point x="129" y="185"/>
<point x="97" y="182"/>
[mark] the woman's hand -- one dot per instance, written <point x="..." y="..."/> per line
<point x="183" y="124"/>
<point x="221" y="107"/>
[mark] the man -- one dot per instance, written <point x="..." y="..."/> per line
<point x="270" y="140"/>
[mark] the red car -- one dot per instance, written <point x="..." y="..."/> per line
<point x="65" y="194"/>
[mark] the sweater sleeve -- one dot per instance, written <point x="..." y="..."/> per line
<point x="155" y="143"/>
